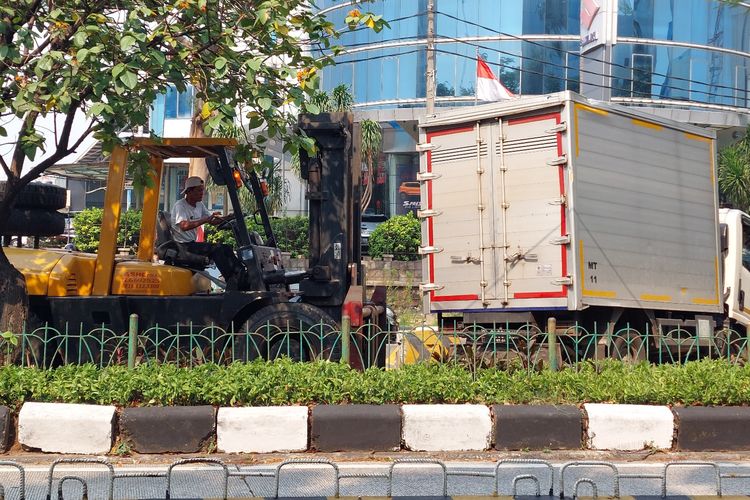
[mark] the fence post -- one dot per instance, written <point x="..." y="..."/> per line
<point x="132" y="340"/>
<point x="552" y="343"/>
<point x="345" y="339"/>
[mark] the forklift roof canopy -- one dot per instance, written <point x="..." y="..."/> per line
<point x="182" y="147"/>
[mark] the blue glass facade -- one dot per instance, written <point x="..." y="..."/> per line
<point x="697" y="50"/>
<point x="708" y="59"/>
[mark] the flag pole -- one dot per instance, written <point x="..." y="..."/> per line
<point x="476" y="77"/>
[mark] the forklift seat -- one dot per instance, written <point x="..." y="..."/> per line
<point x="172" y="252"/>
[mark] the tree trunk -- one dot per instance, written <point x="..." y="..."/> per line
<point x="197" y="165"/>
<point x="14" y="308"/>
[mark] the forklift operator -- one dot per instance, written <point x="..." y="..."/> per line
<point x="188" y="214"/>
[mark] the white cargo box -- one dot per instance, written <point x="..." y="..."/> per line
<point x="557" y="202"/>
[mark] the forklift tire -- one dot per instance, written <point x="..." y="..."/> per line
<point x="296" y="330"/>
<point x="34" y="222"/>
<point x="39" y="195"/>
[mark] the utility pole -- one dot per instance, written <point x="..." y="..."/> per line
<point x="430" y="87"/>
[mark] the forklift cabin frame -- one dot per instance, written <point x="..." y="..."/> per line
<point x="223" y="173"/>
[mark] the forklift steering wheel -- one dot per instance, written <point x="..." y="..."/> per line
<point x="227" y="223"/>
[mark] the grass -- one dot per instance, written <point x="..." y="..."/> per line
<point x="283" y="382"/>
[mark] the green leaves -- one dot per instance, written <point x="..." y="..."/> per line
<point x="88" y="225"/>
<point x="129" y="79"/>
<point x="265" y="103"/>
<point x="283" y="382"/>
<point x="734" y="173"/>
<point x="399" y="236"/>
<point x="114" y="66"/>
<point x="126" y="42"/>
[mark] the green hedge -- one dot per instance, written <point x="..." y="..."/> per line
<point x="283" y="382"/>
<point x="398" y="236"/>
<point x="88" y="224"/>
<point x="290" y="232"/>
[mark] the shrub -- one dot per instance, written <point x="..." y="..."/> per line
<point x="283" y="382"/>
<point x="88" y="224"/>
<point x="398" y="236"/>
<point x="291" y="235"/>
<point x="290" y="232"/>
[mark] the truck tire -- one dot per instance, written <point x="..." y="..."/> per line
<point x="34" y="222"/>
<point x="297" y="330"/>
<point x="38" y="195"/>
<point x="628" y="348"/>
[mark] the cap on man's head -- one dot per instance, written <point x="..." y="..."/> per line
<point x="192" y="182"/>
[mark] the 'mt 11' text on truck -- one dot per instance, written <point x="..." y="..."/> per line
<point x="599" y="216"/>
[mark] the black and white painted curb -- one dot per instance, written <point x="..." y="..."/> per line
<point x="91" y="429"/>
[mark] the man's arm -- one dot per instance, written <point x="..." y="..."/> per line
<point x="187" y="225"/>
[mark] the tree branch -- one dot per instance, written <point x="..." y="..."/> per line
<point x="6" y="169"/>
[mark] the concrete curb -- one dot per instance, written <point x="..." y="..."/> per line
<point x="66" y="428"/>
<point x="262" y="429"/>
<point x="90" y="429"/>
<point x="6" y="418"/>
<point x="701" y="428"/>
<point x="355" y="428"/>
<point x="447" y="427"/>
<point x="539" y="427"/>
<point x="168" y="429"/>
<point x="629" y="427"/>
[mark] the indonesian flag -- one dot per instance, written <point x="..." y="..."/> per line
<point x="490" y="88"/>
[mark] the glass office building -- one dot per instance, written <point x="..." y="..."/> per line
<point x="671" y="56"/>
<point x="675" y="50"/>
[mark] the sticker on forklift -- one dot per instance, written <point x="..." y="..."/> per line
<point x="139" y="280"/>
<point x="337" y="251"/>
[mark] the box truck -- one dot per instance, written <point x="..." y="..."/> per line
<point x="597" y="215"/>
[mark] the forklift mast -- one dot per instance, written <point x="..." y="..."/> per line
<point x="333" y="191"/>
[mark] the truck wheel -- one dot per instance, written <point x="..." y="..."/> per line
<point x="629" y="348"/>
<point x="34" y="222"/>
<point x="296" y="330"/>
<point x="38" y="195"/>
<point x="732" y="346"/>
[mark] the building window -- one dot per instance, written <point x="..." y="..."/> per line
<point x="642" y="73"/>
<point x="179" y="104"/>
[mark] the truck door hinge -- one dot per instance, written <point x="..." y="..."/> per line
<point x="429" y="250"/>
<point x="426" y="146"/>
<point x="562" y="127"/>
<point x="427" y="176"/>
<point x="565" y="281"/>
<point x="426" y="214"/>
<point x="430" y="287"/>
<point x="562" y="240"/>
<point x="559" y="201"/>
<point x="560" y="160"/>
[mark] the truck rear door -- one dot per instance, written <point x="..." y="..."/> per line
<point x="495" y="215"/>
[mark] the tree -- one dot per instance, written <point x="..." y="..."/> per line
<point x="734" y="173"/>
<point x="341" y="100"/>
<point x="88" y="67"/>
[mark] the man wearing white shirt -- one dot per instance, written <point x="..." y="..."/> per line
<point x="188" y="214"/>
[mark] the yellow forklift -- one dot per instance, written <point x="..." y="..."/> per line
<point x="167" y="286"/>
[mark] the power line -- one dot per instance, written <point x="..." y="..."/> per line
<point x="583" y="71"/>
<point x="634" y="92"/>
<point x="563" y="79"/>
<point x="566" y="67"/>
<point x="594" y="59"/>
